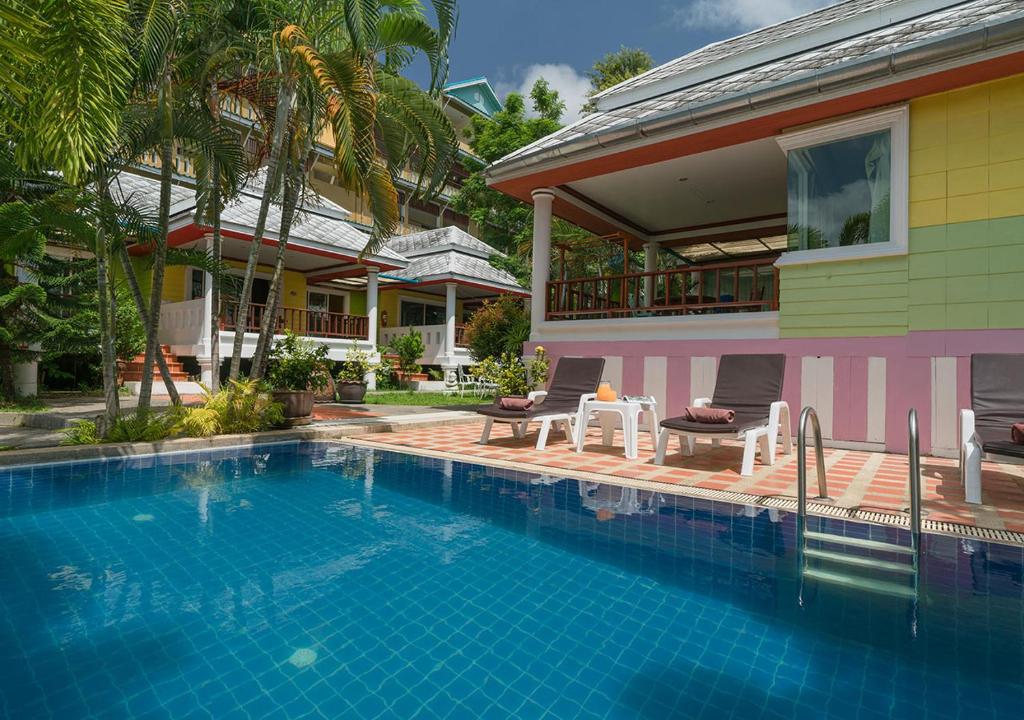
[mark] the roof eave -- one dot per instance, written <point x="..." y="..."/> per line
<point x="1003" y="37"/>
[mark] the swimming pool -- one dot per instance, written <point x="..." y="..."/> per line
<point x="322" y="580"/>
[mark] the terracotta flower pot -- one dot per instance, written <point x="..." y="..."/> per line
<point x="298" y="406"/>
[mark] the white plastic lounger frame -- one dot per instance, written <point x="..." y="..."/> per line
<point x="566" y="422"/>
<point x="970" y="457"/>
<point x="765" y="437"/>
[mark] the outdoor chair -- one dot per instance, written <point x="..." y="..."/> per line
<point x="997" y="402"/>
<point x="467" y="381"/>
<point x="575" y="381"/>
<point x="751" y="386"/>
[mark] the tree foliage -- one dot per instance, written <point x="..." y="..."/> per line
<point x="619" y="66"/>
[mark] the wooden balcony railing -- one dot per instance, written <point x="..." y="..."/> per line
<point x="741" y="286"/>
<point x="460" y="336"/>
<point x="311" y="323"/>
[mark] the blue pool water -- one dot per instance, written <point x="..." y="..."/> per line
<point x="322" y="581"/>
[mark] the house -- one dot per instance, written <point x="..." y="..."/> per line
<point x="846" y="187"/>
<point x="431" y="280"/>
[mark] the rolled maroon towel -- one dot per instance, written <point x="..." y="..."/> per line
<point x="715" y="416"/>
<point x="515" y="403"/>
<point x="1017" y="433"/>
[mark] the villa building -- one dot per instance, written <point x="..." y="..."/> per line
<point x="431" y="277"/>
<point x="846" y="187"/>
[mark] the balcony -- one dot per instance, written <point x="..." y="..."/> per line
<point x="311" y="323"/>
<point x="727" y="287"/>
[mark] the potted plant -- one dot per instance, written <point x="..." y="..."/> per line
<point x="409" y="348"/>
<point x="351" y="382"/>
<point x="299" y="368"/>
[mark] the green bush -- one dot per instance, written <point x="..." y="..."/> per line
<point x="387" y="379"/>
<point x="409" y="348"/>
<point x="242" y="406"/>
<point x="356" y="365"/>
<point x="80" y="432"/>
<point x="512" y="375"/>
<point x="298" y="363"/>
<point x="501" y="326"/>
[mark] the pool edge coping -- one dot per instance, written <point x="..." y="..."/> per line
<point x="778" y="502"/>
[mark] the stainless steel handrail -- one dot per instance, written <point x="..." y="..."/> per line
<point x="915" y="476"/>
<point x="806" y="414"/>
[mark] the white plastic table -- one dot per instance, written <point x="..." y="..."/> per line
<point x="629" y="411"/>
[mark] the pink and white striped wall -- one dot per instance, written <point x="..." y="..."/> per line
<point x="862" y="388"/>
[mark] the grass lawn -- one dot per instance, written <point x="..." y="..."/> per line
<point x="22" y="405"/>
<point x="427" y="399"/>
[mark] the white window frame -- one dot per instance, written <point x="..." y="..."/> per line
<point x="897" y="121"/>
<point x="330" y="291"/>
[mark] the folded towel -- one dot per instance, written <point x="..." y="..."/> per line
<point x="515" y="403"/>
<point x="1017" y="433"/>
<point x="715" y="416"/>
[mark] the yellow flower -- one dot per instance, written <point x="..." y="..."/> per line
<point x="539" y="350"/>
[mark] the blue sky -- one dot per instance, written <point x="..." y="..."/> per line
<point x="513" y="42"/>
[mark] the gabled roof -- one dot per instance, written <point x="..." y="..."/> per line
<point x="475" y="93"/>
<point x="449" y="253"/>
<point x="439" y="240"/>
<point x="319" y="223"/>
<point x="829" y="49"/>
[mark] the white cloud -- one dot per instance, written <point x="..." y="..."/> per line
<point x="743" y="14"/>
<point x="572" y="86"/>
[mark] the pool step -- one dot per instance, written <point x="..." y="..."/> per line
<point x="883" y="587"/>
<point x="860" y="561"/>
<point x="859" y="542"/>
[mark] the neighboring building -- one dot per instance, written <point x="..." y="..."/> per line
<point x="431" y="281"/>
<point x="846" y="187"/>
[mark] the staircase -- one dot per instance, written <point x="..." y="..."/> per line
<point x="131" y="376"/>
<point x="133" y="370"/>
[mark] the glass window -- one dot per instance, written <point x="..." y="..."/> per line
<point x="417" y="313"/>
<point x="839" y="192"/>
<point x="197" y="284"/>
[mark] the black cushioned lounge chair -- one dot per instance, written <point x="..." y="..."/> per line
<point x="750" y="385"/>
<point x="997" y="402"/>
<point x="575" y="381"/>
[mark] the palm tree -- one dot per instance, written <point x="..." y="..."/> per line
<point x="339" y="68"/>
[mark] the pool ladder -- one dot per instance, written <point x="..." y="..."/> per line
<point x="831" y="553"/>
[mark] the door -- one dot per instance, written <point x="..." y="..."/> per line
<point x="317" y="305"/>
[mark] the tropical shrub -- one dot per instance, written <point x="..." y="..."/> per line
<point x="512" y="375"/>
<point x="140" y="427"/>
<point x="501" y="326"/>
<point x="80" y="432"/>
<point x="298" y="363"/>
<point x="241" y="406"/>
<point x="356" y="365"/>
<point x="409" y="348"/>
<point x="387" y="379"/>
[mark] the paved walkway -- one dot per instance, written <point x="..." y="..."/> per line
<point x="867" y="485"/>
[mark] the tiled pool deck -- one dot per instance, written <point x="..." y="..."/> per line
<point x="868" y="485"/>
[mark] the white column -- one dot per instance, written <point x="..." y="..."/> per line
<point x="543" y="198"/>
<point x="449" y="320"/>
<point x="650" y="265"/>
<point x="371" y="315"/>
<point x="371" y="305"/>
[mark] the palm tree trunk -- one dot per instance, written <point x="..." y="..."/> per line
<point x="140" y="306"/>
<point x="293" y="183"/>
<point x="108" y="359"/>
<point x="166" y="104"/>
<point x="274" y="166"/>
<point x="214" y="101"/>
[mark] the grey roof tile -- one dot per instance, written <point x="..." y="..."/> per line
<point x="924" y="28"/>
<point x="432" y="240"/>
